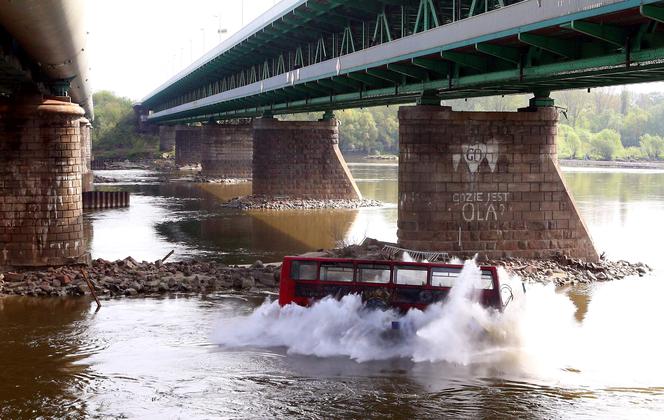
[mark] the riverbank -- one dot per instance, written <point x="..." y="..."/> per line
<point x="574" y="163"/>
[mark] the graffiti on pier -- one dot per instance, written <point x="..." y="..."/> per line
<point x="481" y="206"/>
<point x="474" y="154"/>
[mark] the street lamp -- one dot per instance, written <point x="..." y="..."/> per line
<point x="220" y="31"/>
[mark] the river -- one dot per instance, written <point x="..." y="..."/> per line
<point x="592" y="352"/>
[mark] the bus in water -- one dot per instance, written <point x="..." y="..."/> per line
<point x="381" y="284"/>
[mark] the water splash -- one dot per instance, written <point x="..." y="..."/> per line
<point x="536" y="336"/>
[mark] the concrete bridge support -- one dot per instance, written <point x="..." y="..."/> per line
<point x="227" y="150"/>
<point x="87" y="176"/>
<point x="188" y="145"/>
<point x="486" y="183"/>
<point x="40" y="183"/>
<point x="300" y="159"/>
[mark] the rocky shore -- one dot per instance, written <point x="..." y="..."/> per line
<point x="565" y="271"/>
<point x="201" y="179"/>
<point x="130" y="278"/>
<point x="255" y="202"/>
<point x="560" y="270"/>
<point x="145" y="164"/>
<point x="382" y="157"/>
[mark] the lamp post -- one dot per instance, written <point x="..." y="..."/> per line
<point x="220" y="31"/>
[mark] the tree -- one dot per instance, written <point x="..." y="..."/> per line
<point x="569" y="143"/>
<point x="358" y="131"/>
<point x="606" y="144"/>
<point x="634" y="126"/>
<point x="576" y="103"/>
<point x="652" y="146"/>
<point x="113" y="134"/>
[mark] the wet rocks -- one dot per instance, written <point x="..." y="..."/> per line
<point x="129" y="277"/>
<point x="257" y="202"/>
<point x="563" y="271"/>
<point x="560" y="270"/>
<point x="202" y="179"/>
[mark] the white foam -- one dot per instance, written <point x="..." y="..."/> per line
<point x="619" y="343"/>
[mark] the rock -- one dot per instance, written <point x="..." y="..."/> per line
<point x="14" y="277"/>
<point x="129" y="262"/>
<point x="258" y="264"/>
<point x="131" y="292"/>
<point x="266" y="279"/>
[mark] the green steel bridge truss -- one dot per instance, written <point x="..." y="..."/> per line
<point x="620" y="42"/>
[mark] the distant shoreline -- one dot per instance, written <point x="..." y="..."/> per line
<point x="574" y="163"/>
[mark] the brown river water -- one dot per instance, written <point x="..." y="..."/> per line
<point x="593" y="352"/>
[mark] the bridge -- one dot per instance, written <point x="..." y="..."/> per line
<point x="469" y="182"/>
<point x="45" y="146"/>
<point x="486" y="183"/>
<point x="321" y="55"/>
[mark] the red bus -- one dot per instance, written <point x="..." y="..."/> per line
<point x="382" y="284"/>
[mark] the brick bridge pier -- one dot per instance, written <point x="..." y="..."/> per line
<point x="41" y="183"/>
<point x="486" y="183"/>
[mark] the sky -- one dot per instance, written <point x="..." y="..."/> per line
<point x="136" y="45"/>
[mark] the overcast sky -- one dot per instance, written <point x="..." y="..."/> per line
<point x="136" y="45"/>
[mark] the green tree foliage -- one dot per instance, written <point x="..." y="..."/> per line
<point x="652" y="146"/>
<point x="358" y="131"/>
<point x="569" y="143"/>
<point x="606" y="144"/>
<point x="634" y="126"/>
<point x="113" y="134"/>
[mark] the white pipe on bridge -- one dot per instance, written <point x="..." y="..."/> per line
<point x="53" y="34"/>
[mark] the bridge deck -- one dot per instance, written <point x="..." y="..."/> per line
<point x="331" y="54"/>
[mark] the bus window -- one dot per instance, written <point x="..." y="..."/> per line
<point x="373" y="273"/>
<point x="336" y="271"/>
<point x="444" y="276"/>
<point x="486" y="282"/>
<point x="413" y="276"/>
<point x="304" y="270"/>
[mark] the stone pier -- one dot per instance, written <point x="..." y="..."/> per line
<point x="167" y="138"/>
<point x="40" y="183"/>
<point x="227" y="150"/>
<point x="188" y="145"/>
<point x="87" y="176"/>
<point x="486" y="183"/>
<point x="300" y="159"/>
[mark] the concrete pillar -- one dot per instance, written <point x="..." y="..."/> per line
<point x="486" y="183"/>
<point x="86" y="155"/>
<point x="167" y="138"/>
<point x="227" y="150"/>
<point x="188" y="145"/>
<point x="40" y="183"/>
<point x="300" y="159"/>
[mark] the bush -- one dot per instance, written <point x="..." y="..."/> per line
<point x="652" y="146"/>
<point x="606" y="144"/>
